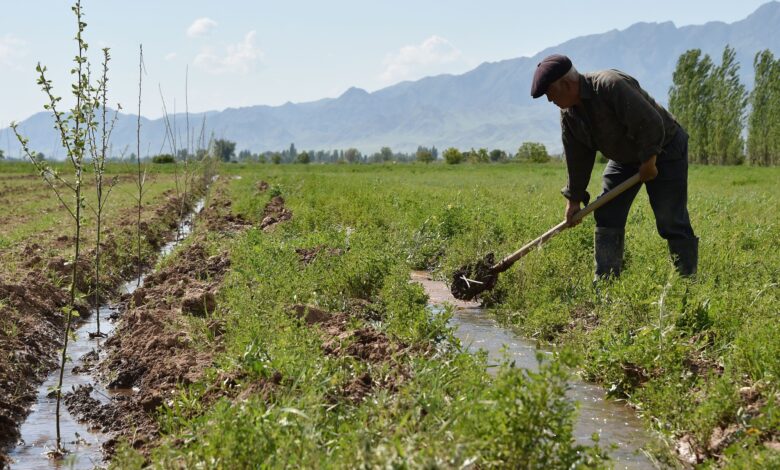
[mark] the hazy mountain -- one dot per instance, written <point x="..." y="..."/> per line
<point x="489" y="106"/>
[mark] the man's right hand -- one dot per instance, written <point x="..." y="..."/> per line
<point x="572" y="208"/>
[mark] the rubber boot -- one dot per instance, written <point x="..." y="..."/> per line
<point x="685" y="255"/>
<point x="608" y="243"/>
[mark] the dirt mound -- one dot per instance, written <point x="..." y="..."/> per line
<point x="308" y="255"/>
<point x="262" y="186"/>
<point x="274" y="213"/>
<point x="365" y="344"/>
<point x="219" y="217"/>
<point x="31" y="326"/>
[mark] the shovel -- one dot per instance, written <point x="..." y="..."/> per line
<point x="473" y="279"/>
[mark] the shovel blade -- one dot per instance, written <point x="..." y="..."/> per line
<point x="473" y="279"/>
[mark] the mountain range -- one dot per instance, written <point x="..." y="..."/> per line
<point x="489" y="106"/>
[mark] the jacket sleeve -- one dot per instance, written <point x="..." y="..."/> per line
<point x="579" y="165"/>
<point x="637" y="111"/>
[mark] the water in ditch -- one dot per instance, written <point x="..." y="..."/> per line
<point x="620" y="431"/>
<point x="84" y="445"/>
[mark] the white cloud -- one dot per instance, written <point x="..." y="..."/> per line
<point x="170" y="56"/>
<point x="427" y="57"/>
<point x="201" y="27"/>
<point x="238" y="58"/>
<point x="11" y="49"/>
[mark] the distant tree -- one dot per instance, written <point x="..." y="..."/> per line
<point x="200" y="154"/>
<point x="424" y="155"/>
<point x="244" y="155"/>
<point x="532" y="152"/>
<point x="261" y="158"/>
<point x="2" y="155"/>
<point x="276" y="158"/>
<point x="163" y="158"/>
<point x="303" y="158"/>
<point x="182" y="154"/>
<point x="452" y="156"/>
<point x="691" y="99"/>
<point x="352" y="155"/>
<point x="224" y="149"/>
<point x="477" y="156"/>
<point x="293" y="152"/>
<point x="435" y="152"/>
<point x="497" y="155"/>
<point x="763" y="142"/>
<point x="726" y="145"/>
<point x="386" y="153"/>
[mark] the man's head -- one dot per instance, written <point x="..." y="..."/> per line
<point x="557" y="78"/>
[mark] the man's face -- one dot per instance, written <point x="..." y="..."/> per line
<point x="562" y="94"/>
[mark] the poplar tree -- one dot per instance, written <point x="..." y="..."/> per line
<point x="690" y="100"/>
<point x="763" y="142"/>
<point x="725" y="142"/>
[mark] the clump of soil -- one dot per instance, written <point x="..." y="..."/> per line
<point x="753" y="398"/>
<point x="364" y="343"/>
<point x="308" y="255"/>
<point x="274" y="213"/>
<point x="473" y="279"/>
<point x="262" y="186"/>
<point x="219" y="217"/>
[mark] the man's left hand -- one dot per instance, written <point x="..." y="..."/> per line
<point x="648" y="171"/>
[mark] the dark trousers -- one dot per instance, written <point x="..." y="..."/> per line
<point x="668" y="192"/>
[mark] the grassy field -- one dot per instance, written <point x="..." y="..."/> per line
<point x="698" y="359"/>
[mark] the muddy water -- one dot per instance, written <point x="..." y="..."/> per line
<point x="84" y="444"/>
<point x="620" y="432"/>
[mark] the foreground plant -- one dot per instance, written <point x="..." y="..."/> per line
<point x="73" y="129"/>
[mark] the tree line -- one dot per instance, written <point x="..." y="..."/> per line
<point x="528" y="152"/>
<point x="726" y="124"/>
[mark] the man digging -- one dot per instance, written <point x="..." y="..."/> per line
<point x="608" y="111"/>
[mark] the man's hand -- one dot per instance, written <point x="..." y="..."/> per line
<point x="572" y="208"/>
<point x="648" y="171"/>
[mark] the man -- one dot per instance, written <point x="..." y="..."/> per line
<point x="608" y="111"/>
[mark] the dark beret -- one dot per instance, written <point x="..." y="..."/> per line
<point x="551" y="68"/>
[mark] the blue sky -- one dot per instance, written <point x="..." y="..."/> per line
<point x="243" y="53"/>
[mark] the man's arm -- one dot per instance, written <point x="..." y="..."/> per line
<point x="579" y="165"/>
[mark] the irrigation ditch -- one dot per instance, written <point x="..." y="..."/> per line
<point x="620" y="431"/>
<point x="35" y="437"/>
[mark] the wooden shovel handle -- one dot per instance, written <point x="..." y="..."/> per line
<point x="507" y="262"/>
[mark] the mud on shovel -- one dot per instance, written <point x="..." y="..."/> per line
<point x="473" y="279"/>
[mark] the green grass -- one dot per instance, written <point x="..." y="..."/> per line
<point x="679" y="350"/>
